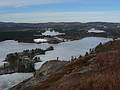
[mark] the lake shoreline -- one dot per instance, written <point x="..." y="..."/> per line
<point x="22" y="61"/>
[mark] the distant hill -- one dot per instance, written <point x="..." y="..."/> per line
<point x="10" y="26"/>
<point x="24" y="32"/>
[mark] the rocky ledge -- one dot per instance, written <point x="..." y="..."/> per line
<point x="48" y="68"/>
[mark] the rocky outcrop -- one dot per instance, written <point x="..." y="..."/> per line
<point x="48" y="68"/>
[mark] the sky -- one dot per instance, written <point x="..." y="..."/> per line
<point x="38" y="11"/>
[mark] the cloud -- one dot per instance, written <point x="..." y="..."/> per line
<point x="19" y="3"/>
<point x="37" y="17"/>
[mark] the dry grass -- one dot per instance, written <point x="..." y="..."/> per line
<point x="110" y="46"/>
<point x="100" y="81"/>
<point x="109" y="61"/>
<point x="107" y="76"/>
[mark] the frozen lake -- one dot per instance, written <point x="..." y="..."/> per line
<point x="63" y="50"/>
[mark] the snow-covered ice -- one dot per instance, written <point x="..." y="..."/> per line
<point x="51" y="33"/>
<point x="93" y="30"/>
<point x="39" y="40"/>
<point x="9" y="80"/>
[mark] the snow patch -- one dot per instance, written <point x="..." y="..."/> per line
<point x="51" y="33"/>
<point x="39" y="40"/>
<point x="93" y="30"/>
